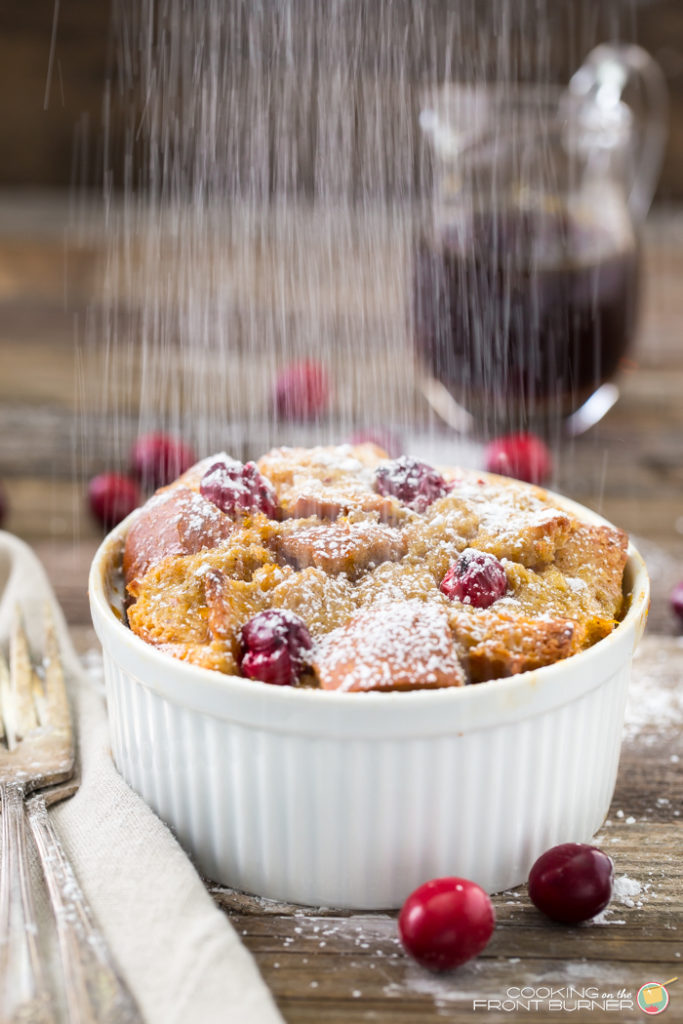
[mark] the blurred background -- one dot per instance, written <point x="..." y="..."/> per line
<point x="133" y="297"/>
<point x="66" y="99"/>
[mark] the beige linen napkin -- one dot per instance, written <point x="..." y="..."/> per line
<point x="177" y="951"/>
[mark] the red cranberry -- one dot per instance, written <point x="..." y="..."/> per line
<point x="275" y="667"/>
<point x="157" y="459"/>
<point x="571" y="882"/>
<point x="302" y="391"/>
<point x="112" y="497"/>
<point x="446" y="922"/>
<point x="385" y="439"/>
<point x="677" y="600"/>
<point x="274" y="646"/>
<point x="477" y="578"/>
<point x="413" y="482"/>
<point x="273" y="625"/>
<point x="238" y="488"/>
<point x="523" y="456"/>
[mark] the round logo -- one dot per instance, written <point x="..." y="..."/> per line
<point x="653" y="997"/>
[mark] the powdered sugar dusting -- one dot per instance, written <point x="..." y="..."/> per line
<point x="396" y="644"/>
<point x="605" y="918"/>
<point x="340" y="547"/>
<point x="335" y="535"/>
<point x="655" y="698"/>
<point x="627" y="890"/>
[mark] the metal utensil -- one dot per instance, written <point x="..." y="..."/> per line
<point x="37" y="757"/>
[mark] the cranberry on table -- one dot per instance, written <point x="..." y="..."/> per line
<point x="571" y="882"/>
<point x="415" y="483"/>
<point x="523" y="456"/>
<point x="677" y="600"/>
<point x="112" y="497"/>
<point x="238" y="488"/>
<point x="157" y="459"/>
<point x="477" y="578"/>
<point x="274" y="644"/>
<point x="446" y="922"/>
<point x="302" y="391"/>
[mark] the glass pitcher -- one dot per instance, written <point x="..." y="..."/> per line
<point x="526" y="270"/>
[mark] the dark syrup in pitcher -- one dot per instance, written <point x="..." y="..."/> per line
<point x="527" y="312"/>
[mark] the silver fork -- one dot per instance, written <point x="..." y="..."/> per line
<point x="38" y="755"/>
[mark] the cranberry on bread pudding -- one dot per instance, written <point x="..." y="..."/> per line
<point x="399" y="576"/>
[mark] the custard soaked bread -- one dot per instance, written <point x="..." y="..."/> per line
<point x="342" y="569"/>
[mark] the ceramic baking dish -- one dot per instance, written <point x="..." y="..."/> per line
<point x="353" y="799"/>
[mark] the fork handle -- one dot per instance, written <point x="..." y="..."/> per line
<point x="95" y="991"/>
<point x="24" y="995"/>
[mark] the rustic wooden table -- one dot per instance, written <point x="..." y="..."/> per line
<point x="322" y="965"/>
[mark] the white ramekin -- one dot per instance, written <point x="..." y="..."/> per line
<point x="352" y="800"/>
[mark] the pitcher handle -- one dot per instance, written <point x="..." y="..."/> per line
<point x="602" y="79"/>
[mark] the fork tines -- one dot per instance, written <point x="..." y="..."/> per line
<point x="26" y="700"/>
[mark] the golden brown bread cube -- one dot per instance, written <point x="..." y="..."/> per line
<point x="215" y="655"/>
<point x="195" y="599"/>
<point x="169" y="605"/>
<point x="176" y="521"/>
<point x="230" y="603"/>
<point x="531" y="538"/>
<point x="327" y="482"/>
<point x="323" y="602"/>
<point x="550" y="593"/>
<point x="596" y="555"/>
<point x="435" y="538"/>
<point x="397" y="581"/>
<point x="341" y="546"/>
<point x="403" y="645"/>
<point x="495" y="645"/>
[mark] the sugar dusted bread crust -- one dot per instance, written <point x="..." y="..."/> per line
<point x="400" y="645"/>
<point x="494" y="645"/>
<point x="327" y="482"/>
<point x="363" y="571"/>
<point x="176" y="521"/>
